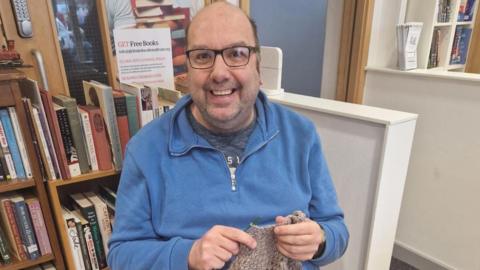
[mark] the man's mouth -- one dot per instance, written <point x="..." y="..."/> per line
<point x="225" y="92"/>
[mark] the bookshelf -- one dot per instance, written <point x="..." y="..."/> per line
<point x="59" y="191"/>
<point x="10" y="97"/>
<point x="441" y="33"/>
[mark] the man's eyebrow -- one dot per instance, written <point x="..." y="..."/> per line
<point x="200" y="46"/>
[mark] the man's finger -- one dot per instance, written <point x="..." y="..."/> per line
<point x="239" y="236"/>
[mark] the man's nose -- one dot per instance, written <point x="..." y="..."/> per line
<point x="220" y="70"/>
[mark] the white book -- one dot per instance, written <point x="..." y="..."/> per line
<point x="103" y="218"/>
<point x="20" y="142"/>
<point x="87" y="131"/>
<point x="43" y="143"/>
<point x="6" y="153"/>
<point x="73" y="239"/>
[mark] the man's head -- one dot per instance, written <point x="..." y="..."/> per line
<point x="223" y="85"/>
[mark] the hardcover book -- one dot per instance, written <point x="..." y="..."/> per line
<point x="6" y="153"/>
<point x="38" y="224"/>
<point x="122" y="118"/>
<point x="100" y="138"/>
<point x="101" y="210"/>
<point x="12" y="143"/>
<point x="25" y="227"/>
<point x="11" y="229"/>
<point x="73" y="239"/>
<point x="67" y="140"/>
<point x="81" y="238"/>
<point x="87" y="132"/>
<point x="21" y="142"/>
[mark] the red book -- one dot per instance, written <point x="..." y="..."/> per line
<point x="7" y="204"/>
<point x="38" y="224"/>
<point x="100" y="138"/>
<point x="122" y="118"/>
<point x="56" y="135"/>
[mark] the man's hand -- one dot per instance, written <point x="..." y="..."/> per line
<point x="217" y="246"/>
<point x="298" y="241"/>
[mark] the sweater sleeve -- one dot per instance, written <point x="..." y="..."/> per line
<point x="324" y="207"/>
<point x="134" y="243"/>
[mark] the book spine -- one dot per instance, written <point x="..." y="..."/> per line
<point x="26" y="229"/>
<point x="21" y="142"/>
<point x="103" y="218"/>
<point x="111" y="120"/>
<point x="122" y="121"/>
<point x="55" y="132"/>
<point x="76" y="130"/>
<point x="91" y="217"/>
<point x="74" y="243"/>
<point x="4" y="250"/>
<point x="28" y="112"/>
<point x="69" y="148"/>
<point x="6" y="153"/>
<point x="132" y="114"/>
<point x="39" y="226"/>
<point x="90" y="246"/>
<point x="83" y="245"/>
<point x="12" y="143"/>
<point x="7" y="204"/>
<point x="4" y="168"/>
<point x="89" y="140"/>
<point x="100" y="140"/>
<point x="43" y="144"/>
<point x="49" y="142"/>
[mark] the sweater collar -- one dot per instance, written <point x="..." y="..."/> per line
<point x="182" y="138"/>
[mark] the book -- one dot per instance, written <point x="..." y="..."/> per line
<point x="4" y="167"/>
<point x="108" y="194"/>
<point x="87" y="132"/>
<point x="11" y="228"/>
<point x="29" y="89"/>
<point x="122" y="118"/>
<point x="38" y="224"/>
<point x="21" y="142"/>
<point x="81" y="238"/>
<point x="6" y="153"/>
<point x="39" y="156"/>
<point x="408" y="36"/>
<point x="100" y="95"/>
<point x="132" y="113"/>
<point x="103" y="217"/>
<point x="25" y="227"/>
<point x="88" y="212"/>
<point x="56" y="134"/>
<point x="43" y="145"/>
<point x="469" y="10"/>
<point x="67" y="140"/>
<point x="73" y="239"/>
<point x="5" y="255"/>
<point x="100" y="138"/>
<point x="12" y="143"/>
<point x="76" y="130"/>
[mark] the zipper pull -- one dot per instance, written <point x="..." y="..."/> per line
<point x="233" y="179"/>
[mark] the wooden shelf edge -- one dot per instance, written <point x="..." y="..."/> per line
<point x="82" y="178"/>
<point x="27" y="263"/>
<point x="11" y="185"/>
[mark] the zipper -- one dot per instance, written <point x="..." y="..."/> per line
<point x="233" y="178"/>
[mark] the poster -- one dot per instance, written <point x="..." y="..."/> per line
<point x="144" y="56"/>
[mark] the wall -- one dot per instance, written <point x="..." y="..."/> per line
<point x="298" y="27"/>
<point x="439" y="221"/>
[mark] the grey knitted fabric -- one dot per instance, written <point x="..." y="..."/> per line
<point x="266" y="256"/>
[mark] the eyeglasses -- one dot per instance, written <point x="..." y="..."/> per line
<point x="237" y="56"/>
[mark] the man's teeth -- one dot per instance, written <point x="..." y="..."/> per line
<point x="222" y="92"/>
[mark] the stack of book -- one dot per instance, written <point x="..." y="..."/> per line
<point x="23" y="234"/>
<point x="72" y="139"/>
<point x="88" y="222"/>
<point x="408" y="35"/>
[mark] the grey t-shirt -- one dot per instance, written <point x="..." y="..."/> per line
<point x="231" y="145"/>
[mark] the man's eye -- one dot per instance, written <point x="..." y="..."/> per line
<point x="238" y="53"/>
<point x="203" y="56"/>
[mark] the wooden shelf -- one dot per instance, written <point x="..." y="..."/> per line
<point x="81" y="178"/>
<point x="27" y="263"/>
<point x="16" y="185"/>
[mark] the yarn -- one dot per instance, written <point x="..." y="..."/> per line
<point x="266" y="256"/>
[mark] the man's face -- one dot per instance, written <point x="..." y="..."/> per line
<point x="223" y="96"/>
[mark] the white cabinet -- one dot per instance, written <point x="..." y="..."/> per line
<point x="447" y="27"/>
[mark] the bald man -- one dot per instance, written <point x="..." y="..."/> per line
<point x="195" y="178"/>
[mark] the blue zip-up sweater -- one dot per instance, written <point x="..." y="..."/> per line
<point x="175" y="186"/>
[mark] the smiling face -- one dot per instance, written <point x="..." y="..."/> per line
<point x="223" y="96"/>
